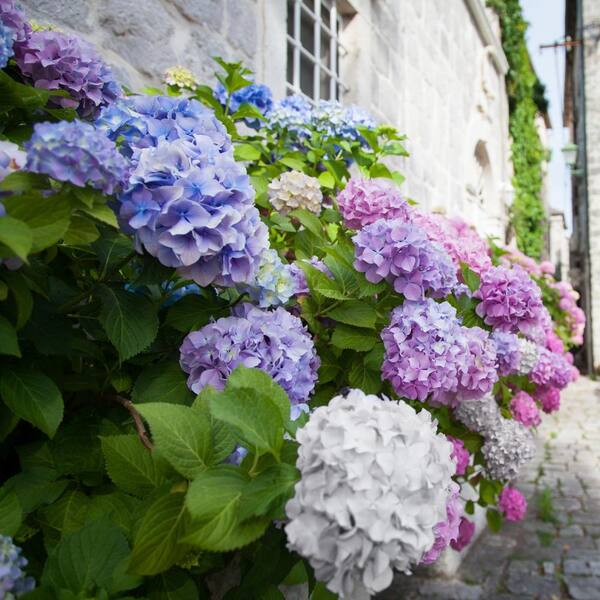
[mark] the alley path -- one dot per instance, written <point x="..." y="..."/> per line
<point x="555" y="553"/>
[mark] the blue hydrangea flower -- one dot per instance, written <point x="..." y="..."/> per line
<point x="7" y="38"/>
<point x="78" y="153"/>
<point x="293" y="113"/>
<point x="189" y="203"/>
<point x="335" y="120"/>
<point x="259" y="96"/>
<point x="13" y="581"/>
<point x="274" y="283"/>
<point x="273" y="341"/>
<point x="508" y="352"/>
<point x="11" y="158"/>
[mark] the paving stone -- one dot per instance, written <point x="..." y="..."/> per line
<point x="571" y="531"/>
<point x="578" y="566"/>
<point x="583" y="588"/>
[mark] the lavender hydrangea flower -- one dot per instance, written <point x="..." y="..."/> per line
<point x="551" y="369"/>
<point x="510" y="300"/>
<point x="274" y="283"/>
<point x="54" y="60"/>
<point x="402" y="254"/>
<point x="508" y="352"/>
<point x="13" y="581"/>
<point x="12" y="17"/>
<point x="525" y="410"/>
<point x="258" y="95"/>
<point x="479" y="371"/>
<point x="189" y="203"/>
<point x="273" y="341"/>
<point x="423" y="345"/>
<point x="78" y="153"/>
<point x="363" y="508"/>
<point x="446" y="531"/>
<point x="293" y="113"/>
<point x="300" y="283"/>
<point x="364" y="201"/>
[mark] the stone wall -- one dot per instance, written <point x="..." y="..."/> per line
<point x="432" y="68"/>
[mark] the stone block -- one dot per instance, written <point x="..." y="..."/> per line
<point x="62" y="12"/>
<point x="242" y="27"/>
<point x="203" y="12"/>
<point x="583" y="588"/>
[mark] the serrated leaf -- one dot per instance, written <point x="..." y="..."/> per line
<point x="353" y="338"/>
<point x="34" y="397"/>
<point x="36" y="487"/>
<point x="181" y="436"/>
<point x="131" y="466"/>
<point x="266" y="494"/>
<point x="21" y="181"/>
<point x="309" y="220"/>
<point x="11" y="513"/>
<point x="129" y="320"/>
<point x="101" y="213"/>
<point x="471" y="278"/>
<point x="121" y="508"/>
<point x="326" y="180"/>
<point x="162" y="382"/>
<point x="68" y="513"/>
<point x="363" y="378"/>
<point x="193" y="311"/>
<point x="223" y="441"/>
<point x="175" y="584"/>
<point x="158" y="543"/>
<point x="87" y="558"/>
<point x="16" y="236"/>
<point x="246" y="151"/>
<point x="487" y="492"/>
<point x="19" y="288"/>
<point x="354" y="312"/>
<point x="81" y="232"/>
<point x="9" y="344"/>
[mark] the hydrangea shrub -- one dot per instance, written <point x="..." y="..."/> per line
<point x="221" y="350"/>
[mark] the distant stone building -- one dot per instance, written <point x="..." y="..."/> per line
<point x="582" y="116"/>
<point x="433" y="68"/>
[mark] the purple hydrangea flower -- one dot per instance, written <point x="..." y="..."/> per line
<point x="424" y="344"/>
<point x="13" y="581"/>
<point x="273" y="341"/>
<point x="364" y="201"/>
<point x="54" y="60"/>
<point x="402" y="254"/>
<point x="11" y="158"/>
<point x="510" y="300"/>
<point x="300" y="283"/>
<point x="508" y="352"/>
<point x="460" y="455"/>
<point x="466" y="529"/>
<point x="549" y="398"/>
<point x="12" y="17"/>
<point x="189" y="203"/>
<point x="512" y="503"/>
<point x="447" y="531"/>
<point x="525" y="410"/>
<point x="551" y="369"/>
<point x="78" y="153"/>
<point x="257" y="95"/>
<point x="479" y="372"/>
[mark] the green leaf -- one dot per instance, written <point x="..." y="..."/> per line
<point x="81" y="232"/>
<point x="34" y="397"/>
<point x="68" y="513"/>
<point x="101" y="213"/>
<point x="193" y="311"/>
<point x="130" y="320"/>
<point x="47" y="218"/>
<point x="395" y="148"/>
<point x="36" y="487"/>
<point x="213" y="499"/>
<point x="309" y="220"/>
<point x="353" y="338"/>
<point x="471" y="278"/>
<point x="121" y="508"/>
<point x="293" y="163"/>
<point x="11" y="513"/>
<point x="157" y="544"/>
<point x="18" y="182"/>
<point x="494" y="519"/>
<point x="354" y="312"/>
<point x="19" y="288"/>
<point x="162" y="382"/>
<point x="246" y="151"/>
<point x="326" y="180"/>
<point x="487" y="492"/>
<point x="175" y="584"/>
<point x="360" y="376"/>
<point x="9" y="344"/>
<point x="86" y="559"/>
<point x="380" y="170"/>
<point x="266" y="494"/>
<point x="131" y="466"/>
<point x="322" y="593"/>
<point x="16" y="236"/>
<point x="181" y="436"/>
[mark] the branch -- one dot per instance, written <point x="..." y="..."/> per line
<point x="137" y="419"/>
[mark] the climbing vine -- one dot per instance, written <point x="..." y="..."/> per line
<point x="525" y="100"/>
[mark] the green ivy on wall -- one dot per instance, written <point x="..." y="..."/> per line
<point x="526" y="98"/>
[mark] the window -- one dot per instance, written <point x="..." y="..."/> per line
<point x="313" y="49"/>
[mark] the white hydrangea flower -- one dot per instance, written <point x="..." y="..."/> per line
<point x="507" y="448"/>
<point x="479" y="414"/>
<point x="181" y="77"/>
<point x="529" y="356"/>
<point x="376" y="478"/>
<point x="294" y="189"/>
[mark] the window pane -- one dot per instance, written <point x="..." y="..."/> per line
<point x="325" y="13"/>
<point x="306" y="76"/>
<point x="290" y="17"/>
<point x="290" y="64"/>
<point x="307" y="32"/>
<point x="325" y="86"/>
<point x="325" y="49"/>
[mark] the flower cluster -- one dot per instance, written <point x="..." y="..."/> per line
<point x="294" y="189"/>
<point x="428" y="352"/>
<point x="510" y="300"/>
<point x="274" y="282"/>
<point x="76" y="152"/>
<point x="361" y="507"/>
<point x="13" y="29"/>
<point x="548" y="397"/>
<point x="508" y="352"/>
<point x="551" y="369"/>
<point x="181" y="77"/>
<point x="11" y="158"/>
<point x="189" y="203"/>
<point x="529" y="353"/>
<point x="479" y="414"/>
<point x="57" y="61"/>
<point x="402" y="254"/>
<point x="293" y="114"/>
<point x="460" y="454"/>
<point x="273" y="341"/>
<point x="466" y="529"/>
<point x="258" y="96"/>
<point x="364" y="201"/>
<point x="525" y="410"/>
<point x="13" y="581"/>
<point x="574" y="315"/>
<point x="512" y="504"/>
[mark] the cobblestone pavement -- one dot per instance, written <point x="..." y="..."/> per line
<point x="555" y="552"/>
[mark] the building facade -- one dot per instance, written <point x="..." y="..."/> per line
<point x="432" y="68"/>
<point x="582" y="117"/>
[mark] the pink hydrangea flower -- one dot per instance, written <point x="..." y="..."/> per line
<point x="364" y="201"/>
<point x="466" y="529"/>
<point x="549" y="398"/>
<point x="554" y="343"/>
<point x="512" y="503"/>
<point x="552" y="369"/>
<point x="525" y="410"/>
<point x="547" y="267"/>
<point x="460" y="454"/>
